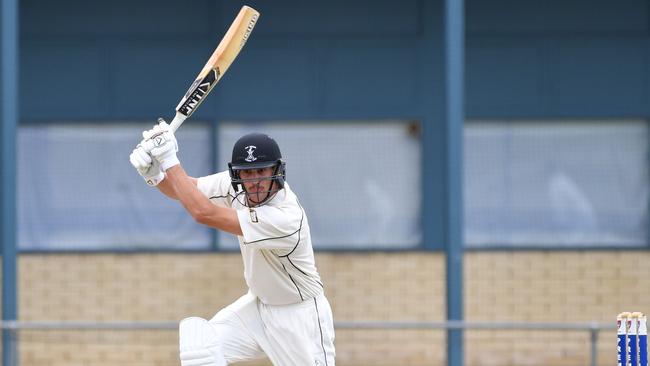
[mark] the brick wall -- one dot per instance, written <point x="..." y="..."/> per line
<point x="533" y="286"/>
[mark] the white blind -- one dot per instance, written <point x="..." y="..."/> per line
<point x="78" y="191"/>
<point x="556" y="183"/>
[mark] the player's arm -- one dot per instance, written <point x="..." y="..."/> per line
<point x="199" y="206"/>
<point x="168" y="190"/>
<point x="162" y="146"/>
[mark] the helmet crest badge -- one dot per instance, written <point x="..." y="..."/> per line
<point x="250" y="149"/>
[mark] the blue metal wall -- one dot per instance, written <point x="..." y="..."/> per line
<point x="556" y="58"/>
<point x="124" y="60"/>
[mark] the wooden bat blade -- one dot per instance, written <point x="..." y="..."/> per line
<point x="218" y="64"/>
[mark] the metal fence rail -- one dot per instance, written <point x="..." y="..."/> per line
<point x="592" y="328"/>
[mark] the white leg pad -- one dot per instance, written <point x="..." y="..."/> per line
<point x="198" y="344"/>
<point x="197" y="358"/>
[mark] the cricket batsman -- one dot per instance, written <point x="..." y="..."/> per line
<point x="285" y="315"/>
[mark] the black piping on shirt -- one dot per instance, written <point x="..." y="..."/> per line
<point x="296" y="246"/>
<point x="302" y="216"/>
<point x="320" y="329"/>
<point x="226" y="196"/>
<point x="294" y="283"/>
<point x="276" y="237"/>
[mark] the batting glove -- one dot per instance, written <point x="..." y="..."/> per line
<point x="147" y="167"/>
<point x="161" y="144"/>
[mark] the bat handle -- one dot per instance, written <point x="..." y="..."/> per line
<point x="177" y="122"/>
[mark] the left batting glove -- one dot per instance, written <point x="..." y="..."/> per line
<point x="161" y="144"/>
<point x="146" y="166"/>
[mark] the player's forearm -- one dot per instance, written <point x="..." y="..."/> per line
<point x="186" y="192"/>
<point x="168" y="190"/>
<point x="201" y="209"/>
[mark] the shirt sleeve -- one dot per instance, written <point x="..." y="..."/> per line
<point x="217" y="188"/>
<point x="271" y="227"/>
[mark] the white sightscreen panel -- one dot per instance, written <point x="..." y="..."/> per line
<point x="556" y="183"/>
<point x="78" y="191"/>
<point x="358" y="182"/>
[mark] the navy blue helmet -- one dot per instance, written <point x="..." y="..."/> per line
<point x="257" y="151"/>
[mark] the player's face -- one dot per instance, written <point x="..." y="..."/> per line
<point x="258" y="188"/>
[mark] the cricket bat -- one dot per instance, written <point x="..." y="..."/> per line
<point x="217" y="65"/>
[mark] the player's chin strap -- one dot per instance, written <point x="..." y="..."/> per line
<point x="246" y="201"/>
<point x="269" y="195"/>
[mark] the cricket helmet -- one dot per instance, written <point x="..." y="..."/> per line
<point x="257" y="151"/>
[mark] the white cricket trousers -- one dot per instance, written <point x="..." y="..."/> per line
<point x="300" y="334"/>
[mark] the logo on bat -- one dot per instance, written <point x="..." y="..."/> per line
<point x="199" y="89"/>
<point x="250" y="149"/>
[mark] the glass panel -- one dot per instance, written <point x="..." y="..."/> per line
<point x="570" y="183"/>
<point x="358" y="182"/>
<point x="78" y="191"/>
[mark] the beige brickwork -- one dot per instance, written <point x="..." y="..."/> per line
<point x="523" y="286"/>
<point x="551" y="286"/>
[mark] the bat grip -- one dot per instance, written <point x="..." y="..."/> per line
<point x="177" y="122"/>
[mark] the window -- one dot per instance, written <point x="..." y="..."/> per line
<point x="557" y="183"/>
<point x="78" y="191"/>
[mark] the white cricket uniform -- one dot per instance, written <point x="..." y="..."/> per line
<point x="285" y="315"/>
